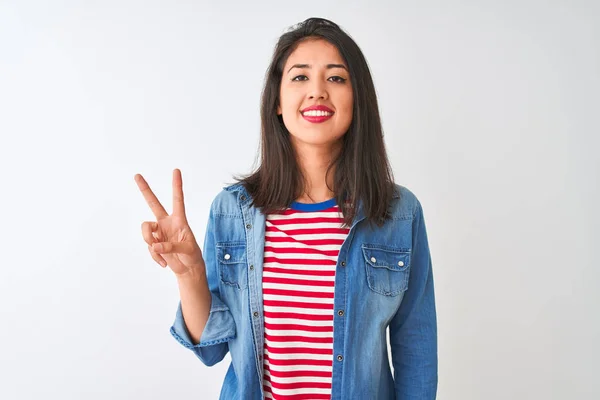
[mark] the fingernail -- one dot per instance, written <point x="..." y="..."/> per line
<point x="164" y="264"/>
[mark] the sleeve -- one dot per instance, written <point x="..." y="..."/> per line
<point x="413" y="329"/>
<point x="220" y="326"/>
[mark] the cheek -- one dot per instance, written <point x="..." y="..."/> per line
<point x="347" y="114"/>
<point x="348" y="107"/>
<point x="347" y="99"/>
<point x="289" y="97"/>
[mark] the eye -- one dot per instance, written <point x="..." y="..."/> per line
<point x="337" y="79"/>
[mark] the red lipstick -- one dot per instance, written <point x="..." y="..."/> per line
<point x="317" y="118"/>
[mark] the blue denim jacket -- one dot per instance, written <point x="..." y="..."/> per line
<point x="383" y="279"/>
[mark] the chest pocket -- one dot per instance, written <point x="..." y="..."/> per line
<point x="387" y="269"/>
<point x="232" y="264"/>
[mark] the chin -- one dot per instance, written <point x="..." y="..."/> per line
<point x="316" y="139"/>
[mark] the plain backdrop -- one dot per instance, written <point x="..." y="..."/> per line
<point x="491" y="117"/>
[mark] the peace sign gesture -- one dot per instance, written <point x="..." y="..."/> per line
<point x="170" y="239"/>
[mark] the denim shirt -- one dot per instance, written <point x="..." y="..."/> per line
<point x="383" y="280"/>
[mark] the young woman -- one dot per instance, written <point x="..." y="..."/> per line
<point x="307" y="261"/>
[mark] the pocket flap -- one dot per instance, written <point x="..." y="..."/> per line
<point x="382" y="257"/>
<point x="231" y="252"/>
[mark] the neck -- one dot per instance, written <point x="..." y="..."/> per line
<point x="314" y="161"/>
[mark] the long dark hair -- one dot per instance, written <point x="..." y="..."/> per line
<point x="362" y="168"/>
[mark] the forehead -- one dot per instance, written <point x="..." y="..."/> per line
<point x="315" y="51"/>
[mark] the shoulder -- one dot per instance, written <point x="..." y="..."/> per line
<point x="225" y="202"/>
<point x="405" y="203"/>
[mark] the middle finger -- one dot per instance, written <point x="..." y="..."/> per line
<point x="157" y="208"/>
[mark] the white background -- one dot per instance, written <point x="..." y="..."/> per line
<point x="491" y="116"/>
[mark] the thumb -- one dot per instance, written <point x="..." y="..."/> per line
<point x="171" y="247"/>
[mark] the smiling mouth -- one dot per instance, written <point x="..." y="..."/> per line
<point x="321" y="116"/>
<point x="316" y="116"/>
<point x="317" y="113"/>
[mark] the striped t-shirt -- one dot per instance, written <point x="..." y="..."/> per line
<point x="301" y="249"/>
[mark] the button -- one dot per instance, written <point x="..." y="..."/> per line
<point x="373" y="259"/>
<point x="341" y="313"/>
<point x="227" y="256"/>
<point x="343" y="263"/>
<point x="243" y="198"/>
<point x="401" y="263"/>
<point x="248" y="226"/>
<point x="340" y="358"/>
<point x="255" y="313"/>
<point x="251" y="267"/>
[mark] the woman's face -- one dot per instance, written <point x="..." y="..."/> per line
<point x="316" y="75"/>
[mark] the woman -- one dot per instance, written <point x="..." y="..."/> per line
<point x="307" y="261"/>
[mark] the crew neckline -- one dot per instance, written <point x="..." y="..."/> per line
<point x="298" y="206"/>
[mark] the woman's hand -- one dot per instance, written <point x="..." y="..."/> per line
<point x="170" y="239"/>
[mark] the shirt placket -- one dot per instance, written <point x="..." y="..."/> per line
<point x="254" y="225"/>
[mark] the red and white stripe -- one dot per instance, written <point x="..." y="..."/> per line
<point x="301" y="250"/>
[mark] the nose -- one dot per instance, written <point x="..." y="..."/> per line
<point x="317" y="90"/>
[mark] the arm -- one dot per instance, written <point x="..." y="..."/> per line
<point x="413" y="329"/>
<point x="195" y="303"/>
<point x="207" y="340"/>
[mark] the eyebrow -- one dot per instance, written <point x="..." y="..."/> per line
<point x="328" y="66"/>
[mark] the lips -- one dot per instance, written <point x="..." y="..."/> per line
<point x="320" y="113"/>
<point x="318" y="107"/>
<point x="316" y="119"/>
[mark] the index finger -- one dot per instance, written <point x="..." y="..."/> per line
<point x="178" y="205"/>
<point x="155" y="206"/>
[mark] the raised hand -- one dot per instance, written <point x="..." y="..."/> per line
<point x="170" y="239"/>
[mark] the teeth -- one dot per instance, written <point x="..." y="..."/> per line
<point x="317" y="113"/>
